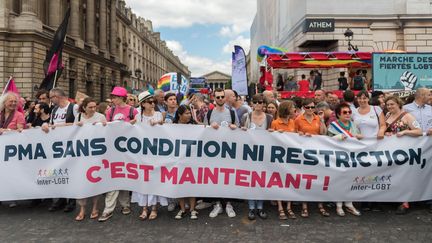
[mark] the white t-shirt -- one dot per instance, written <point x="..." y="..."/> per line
<point x="97" y="117"/>
<point x="368" y="124"/>
<point x="157" y="117"/>
<point x="60" y="116"/>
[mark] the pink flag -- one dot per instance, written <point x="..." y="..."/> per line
<point x="11" y="87"/>
<point x="53" y="64"/>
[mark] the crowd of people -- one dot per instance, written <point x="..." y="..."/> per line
<point x="355" y="81"/>
<point x="354" y="116"/>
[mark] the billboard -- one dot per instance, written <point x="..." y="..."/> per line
<point x="401" y="71"/>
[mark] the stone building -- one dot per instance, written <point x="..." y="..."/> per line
<point x="106" y="45"/>
<point x="316" y="25"/>
<point x="217" y="79"/>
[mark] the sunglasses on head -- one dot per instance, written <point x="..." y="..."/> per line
<point x="258" y="102"/>
<point x="309" y="107"/>
<point x="219" y="97"/>
<point x="346" y="112"/>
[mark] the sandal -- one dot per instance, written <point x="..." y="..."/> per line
<point x="80" y="217"/>
<point x="94" y="215"/>
<point x="304" y="213"/>
<point x="143" y="215"/>
<point x="323" y="212"/>
<point x="282" y="215"/>
<point x="291" y="214"/>
<point x="340" y="212"/>
<point x="353" y="211"/>
<point x="153" y="214"/>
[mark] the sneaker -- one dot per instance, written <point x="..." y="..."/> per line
<point x="126" y="211"/>
<point x="262" y="214"/>
<point x="202" y="205"/>
<point x="180" y="214"/>
<point x="171" y="206"/>
<point x="230" y="211"/>
<point x="401" y="210"/>
<point x="193" y="214"/>
<point x="217" y="209"/>
<point x="376" y="208"/>
<point x="70" y="206"/>
<point x="251" y="214"/>
<point x="60" y="203"/>
<point x="34" y="203"/>
<point x="105" y="217"/>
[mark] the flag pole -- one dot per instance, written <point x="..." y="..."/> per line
<point x="55" y="79"/>
<point x="7" y="84"/>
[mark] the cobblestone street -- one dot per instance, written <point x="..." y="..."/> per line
<point x="22" y="224"/>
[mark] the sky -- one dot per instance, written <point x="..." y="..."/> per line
<point x="202" y="33"/>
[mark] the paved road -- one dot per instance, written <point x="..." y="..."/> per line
<point x="22" y="224"/>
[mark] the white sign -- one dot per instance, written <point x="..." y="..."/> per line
<point x="192" y="160"/>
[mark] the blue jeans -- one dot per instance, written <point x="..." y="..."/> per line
<point x="255" y="204"/>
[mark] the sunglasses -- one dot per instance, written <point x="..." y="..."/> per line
<point x="346" y="112"/>
<point x="131" y="99"/>
<point x="309" y="107"/>
<point x="149" y="101"/>
<point x="219" y="97"/>
<point x="258" y="102"/>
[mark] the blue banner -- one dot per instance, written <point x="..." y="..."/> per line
<point x="402" y="71"/>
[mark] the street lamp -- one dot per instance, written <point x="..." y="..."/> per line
<point x="349" y="35"/>
<point x="138" y="75"/>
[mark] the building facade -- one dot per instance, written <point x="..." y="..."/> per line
<point x="314" y="25"/>
<point x="106" y="45"/>
<point x="217" y="79"/>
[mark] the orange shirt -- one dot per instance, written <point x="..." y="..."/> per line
<point x="278" y="124"/>
<point x="302" y="125"/>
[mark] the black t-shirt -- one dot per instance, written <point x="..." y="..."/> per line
<point x="38" y="122"/>
<point x="343" y="83"/>
<point x="317" y="82"/>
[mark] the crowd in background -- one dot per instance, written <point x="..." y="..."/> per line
<point x="356" y="115"/>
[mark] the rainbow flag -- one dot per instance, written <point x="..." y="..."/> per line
<point x="164" y="82"/>
<point x="265" y="50"/>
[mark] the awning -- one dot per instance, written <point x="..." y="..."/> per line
<point x="320" y="60"/>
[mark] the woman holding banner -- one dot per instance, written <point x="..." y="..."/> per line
<point x="184" y="116"/>
<point x="400" y="123"/>
<point x="10" y="117"/>
<point x="151" y="117"/>
<point x="257" y="120"/>
<point x="88" y="115"/>
<point x="371" y="123"/>
<point x="309" y="124"/>
<point x="342" y="129"/>
<point x="285" y="123"/>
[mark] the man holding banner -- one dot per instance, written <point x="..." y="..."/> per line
<point x="225" y="117"/>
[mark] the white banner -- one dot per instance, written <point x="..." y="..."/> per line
<point x="239" y="73"/>
<point x="189" y="160"/>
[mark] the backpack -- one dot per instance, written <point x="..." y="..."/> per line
<point x="232" y="113"/>
<point x="131" y="115"/>
<point x="358" y="83"/>
<point x="70" y="117"/>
